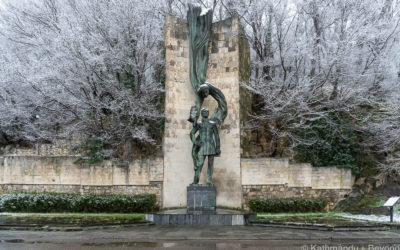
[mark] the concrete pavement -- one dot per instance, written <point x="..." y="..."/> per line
<point x="197" y="237"/>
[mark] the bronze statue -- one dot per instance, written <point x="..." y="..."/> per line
<point x="203" y="145"/>
<point x="208" y="144"/>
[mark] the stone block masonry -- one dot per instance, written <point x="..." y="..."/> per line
<point x="273" y="178"/>
<point x="152" y="188"/>
<point x="278" y="191"/>
<point x="261" y="178"/>
<point x="60" y="174"/>
<point x="278" y="171"/>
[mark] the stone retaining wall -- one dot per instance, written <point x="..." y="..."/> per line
<point x="283" y="191"/>
<point x="271" y="178"/>
<point x="275" y="171"/>
<point x="63" y="170"/>
<point x="152" y="188"/>
<point x="60" y="174"/>
<point x="261" y="177"/>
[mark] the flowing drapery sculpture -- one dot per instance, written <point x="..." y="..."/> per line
<point x="199" y="37"/>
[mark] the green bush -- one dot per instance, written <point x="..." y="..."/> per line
<point x="288" y="205"/>
<point x="88" y="203"/>
<point x="335" y="143"/>
<point x="92" y="148"/>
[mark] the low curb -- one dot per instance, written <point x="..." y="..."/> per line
<point x="67" y="228"/>
<point x="320" y="227"/>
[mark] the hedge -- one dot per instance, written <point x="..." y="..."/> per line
<point x="87" y="203"/>
<point x="288" y="205"/>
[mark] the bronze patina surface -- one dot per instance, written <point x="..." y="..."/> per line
<point x="207" y="143"/>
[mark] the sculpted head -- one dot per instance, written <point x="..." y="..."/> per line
<point x="205" y="113"/>
<point x="203" y="90"/>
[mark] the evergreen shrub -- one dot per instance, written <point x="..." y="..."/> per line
<point x="77" y="203"/>
<point x="291" y="205"/>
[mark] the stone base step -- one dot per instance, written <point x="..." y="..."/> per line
<point x="201" y="219"/>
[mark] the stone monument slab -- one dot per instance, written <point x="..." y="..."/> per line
<point x="201" y="199"/>
<point x="223" y="72"/>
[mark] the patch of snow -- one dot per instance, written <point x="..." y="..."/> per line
<point x="378" y="218"/>
<point x="204" y="11"/>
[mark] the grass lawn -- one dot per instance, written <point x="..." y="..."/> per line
<point x="81" y="219"/>
<point x="327" y="219"/>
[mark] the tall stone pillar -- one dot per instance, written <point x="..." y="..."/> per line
<point x="228" y="52"/>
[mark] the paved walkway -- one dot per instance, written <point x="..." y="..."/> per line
<point x="196" y="237"/>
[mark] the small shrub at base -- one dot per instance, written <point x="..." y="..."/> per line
<point x="288" y="205"/>
<point x="77" y="203"/>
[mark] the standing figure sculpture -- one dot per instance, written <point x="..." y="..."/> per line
<point x="203" y="145"/>
<point x="208" y="143"/>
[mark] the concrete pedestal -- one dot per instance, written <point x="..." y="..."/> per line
<point x="201" y="210"/>
<point x="221" y="217"/>
<point x="201" y="199"/>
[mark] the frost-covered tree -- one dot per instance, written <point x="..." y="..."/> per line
<point x="86" y="67"/>
<point x="320" y="72"/>
<point x="325" y="73"/>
